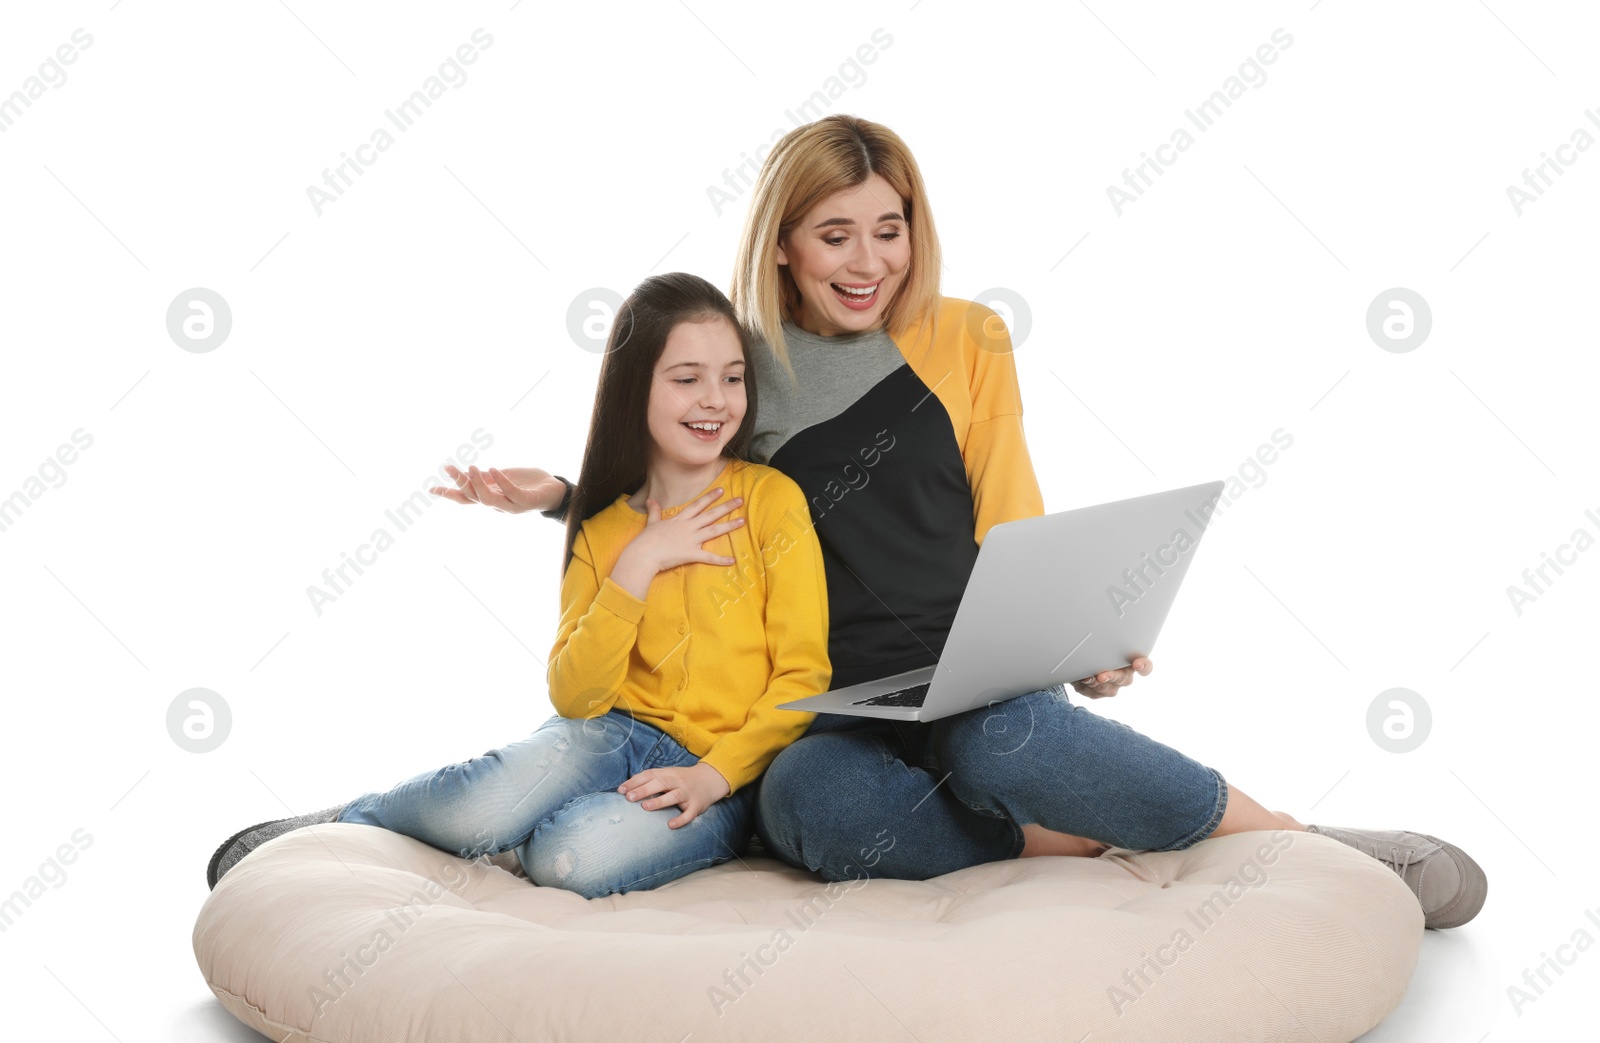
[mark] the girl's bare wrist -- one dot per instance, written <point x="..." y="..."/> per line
<point x="634" y="572"/>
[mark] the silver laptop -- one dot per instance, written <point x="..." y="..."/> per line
<point x="1052" y="599"/>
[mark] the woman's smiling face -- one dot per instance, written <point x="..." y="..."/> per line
<point x="848" y="256"/>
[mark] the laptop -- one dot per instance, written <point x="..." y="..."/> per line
<point x="1051" y="600"/>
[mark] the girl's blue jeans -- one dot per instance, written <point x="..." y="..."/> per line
<point x="552" y="798"/>
<point x="857" y="797"/>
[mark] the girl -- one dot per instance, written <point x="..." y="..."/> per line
<point x="665" y="675"/>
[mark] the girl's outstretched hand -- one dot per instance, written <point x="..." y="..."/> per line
<point x="514" y="490"/>
<point x="693" y="789"/>
<point x="1106" y="682"/>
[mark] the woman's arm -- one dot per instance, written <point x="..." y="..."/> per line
<point x="513" y="491"/>
<point x="1000" y="470"/>
<point x="999" y="467"/>
<point x="1004" y="486"/>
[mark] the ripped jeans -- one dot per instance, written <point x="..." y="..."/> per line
<point x="552" y="798"/>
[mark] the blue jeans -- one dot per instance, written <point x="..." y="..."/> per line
<point x="552" y="798"/>
<point x="858" y="797"/>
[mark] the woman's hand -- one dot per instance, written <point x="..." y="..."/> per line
<point x="1106" y="682"/>
<point x="513" y="491"/>
<point x="693" y="789"/>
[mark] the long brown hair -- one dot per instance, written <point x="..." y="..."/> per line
<point x="808" y="165"/>
<point x="618" y="451"/>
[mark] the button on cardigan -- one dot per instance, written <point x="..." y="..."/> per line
<point x="712" y="650"/>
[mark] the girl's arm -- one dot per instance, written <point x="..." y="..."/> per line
<point x="600" y="617"/>
<point x="796" y="630"/>
<point x="599" y="627"/>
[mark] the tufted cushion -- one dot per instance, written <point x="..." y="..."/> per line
<point x="345" y="932"/>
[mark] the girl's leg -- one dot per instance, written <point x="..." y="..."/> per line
<point x="601" y="843"/>
<point x="492" y="803"/>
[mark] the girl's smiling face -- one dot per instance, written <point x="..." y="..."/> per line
<point x="699" y="379"/>
<point x="848" y="256"/>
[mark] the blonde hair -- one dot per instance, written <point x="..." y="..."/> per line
<point x="808" y="165"/>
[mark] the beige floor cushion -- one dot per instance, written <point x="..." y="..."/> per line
<point x="344" y="932"/>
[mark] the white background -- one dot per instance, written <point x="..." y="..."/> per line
<point x="1166" y="344"/>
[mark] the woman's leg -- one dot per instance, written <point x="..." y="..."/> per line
<point x="492" y="803"/>
<point x="1002" y="730"/>
<point x="914" y="801"/>
<point x="1040" y="759"/>
<point x="1243" y="815"/>
<point x="846" y="800"/>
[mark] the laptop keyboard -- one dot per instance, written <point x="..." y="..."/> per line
<point x="912" y="696"/>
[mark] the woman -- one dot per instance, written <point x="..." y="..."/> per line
<point x="897" y="411"/>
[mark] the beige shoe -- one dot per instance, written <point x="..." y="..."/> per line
<point x="1444" y="878"/>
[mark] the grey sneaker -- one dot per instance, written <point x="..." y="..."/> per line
<point x="247" y="840"/>
<point x="1444" y="878"/>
